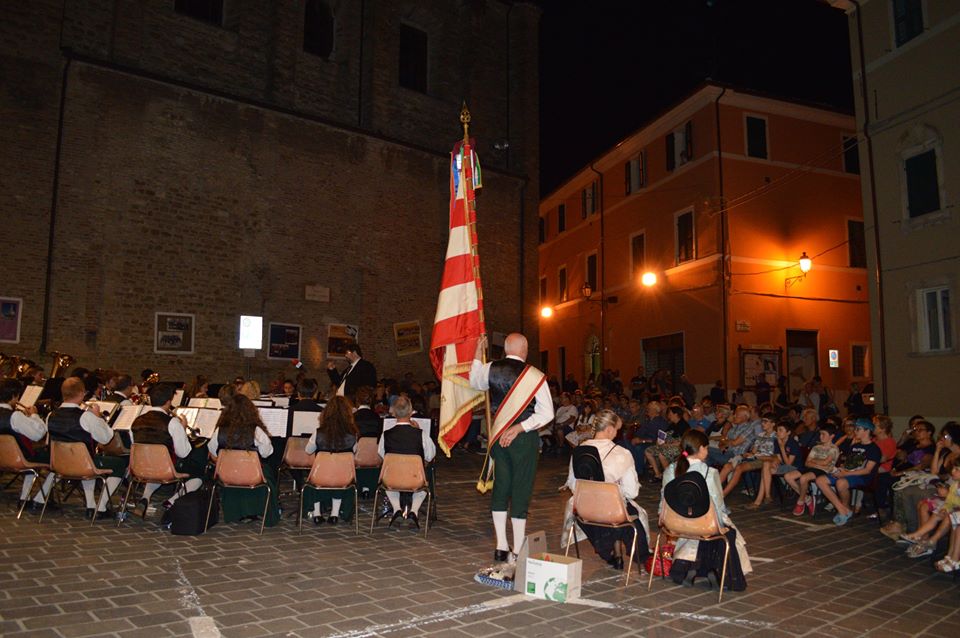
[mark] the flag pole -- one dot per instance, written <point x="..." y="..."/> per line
<point x="483" y="484"/>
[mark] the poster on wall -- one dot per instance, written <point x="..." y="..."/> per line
<point x="339" y="336"/>
<point x="284" y="341"/>
<point x="11" y="308"/>
<point x="756" y="363"/>
<point x="173" y="333"/>
<point x="406" y="335"/>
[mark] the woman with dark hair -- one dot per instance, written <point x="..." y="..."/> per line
<point x="198" y="389"/>
<point x="691" y="558"/>
<point x="240" y="428"/>
<point x="336" y="432"/>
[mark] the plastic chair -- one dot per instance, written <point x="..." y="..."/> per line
<point x="12" y="460"/>
<point x="367" y="454"/>
<point x="402" y="473"/>
<point x="71" y="461"/>
<point x="601" y="504"/>
<point x="331" y="471"/>
<point x="150" y="463"/>
<point x="295" y="458"/>
<point x="240" y="469"/>
<point x="704" y="528"/>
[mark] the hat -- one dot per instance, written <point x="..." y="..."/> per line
<point x="864" y="424"/>
<point x="687" y="495"/>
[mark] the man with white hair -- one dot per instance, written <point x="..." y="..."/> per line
<point x="406" y="437"/>
<point x="521" y="402"/>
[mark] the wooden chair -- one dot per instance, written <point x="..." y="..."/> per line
<point x="12" y="460"/>
<point x="704" y="528"/>
<point x="150" y="463"/>
<point x="402" y="473"/>
<point x="71" y="461"/>
<point x="331" y="471"/>
<point x="601" y="504"/>
<point x="239" y="469"/>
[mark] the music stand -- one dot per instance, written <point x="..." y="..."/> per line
<point x="52" y="390"/>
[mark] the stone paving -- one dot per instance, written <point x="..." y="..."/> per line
<point x="66" y="579"/>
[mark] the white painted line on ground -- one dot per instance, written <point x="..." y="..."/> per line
<point x="761" y="559"/>
<point x="812" y="526"/>
<point x="201" y="625"/>
<point x="602" y="604"/>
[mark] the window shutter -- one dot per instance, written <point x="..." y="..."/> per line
<point x="688" y="138"/>
<point x="671" y="160"/>
<point x="626" y="178"/>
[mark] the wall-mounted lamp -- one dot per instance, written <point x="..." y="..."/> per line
<point x="648" y="279"/>
<point x="805" y="263"/>
<point x="546" y="312"/>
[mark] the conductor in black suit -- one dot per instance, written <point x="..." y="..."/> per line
<point x="360" y="373"/>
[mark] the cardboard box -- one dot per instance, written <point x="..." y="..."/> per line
<point x="553" y="576"/>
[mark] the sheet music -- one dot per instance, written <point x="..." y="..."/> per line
<point x="108" y="409"/>
<point x="30" y="395"/>
<point x="423" y="423"/>
<point x="177" y="398"/>
<point x="263" y="403"/>
<point x="281" y="402"/>
<point x="305" y="422"/>
<point x="213" y="404"/>
<point x="275" y="420"/>
<point x="196" y="402"/>
<point x="190" y="414"/>
<point x="128" y="414"/>
<point x="207" y="421"/>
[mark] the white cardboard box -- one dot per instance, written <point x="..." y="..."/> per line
<point x="553" y="576"/>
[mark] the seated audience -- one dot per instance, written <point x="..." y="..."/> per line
<point x="761" y="451"/>
<point x="821" y="461"/>
<point x="785" y="456"/>
<point x="857" y="471"/>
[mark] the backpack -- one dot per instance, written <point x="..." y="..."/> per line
<point x="187" y="515"/>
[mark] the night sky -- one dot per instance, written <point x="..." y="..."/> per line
<point x="608" y="67"/>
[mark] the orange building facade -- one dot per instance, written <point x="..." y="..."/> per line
<point x="717" y="199"/>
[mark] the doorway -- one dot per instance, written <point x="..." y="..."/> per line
<point x="802" y="361"/>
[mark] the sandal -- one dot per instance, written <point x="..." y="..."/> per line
<point x="753" y="506"/>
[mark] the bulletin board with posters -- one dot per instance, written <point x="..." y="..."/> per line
<point x="284" y="341"/>
<point x="11" y="309"/>
<point x="339" y="336"/>
<point x="173" y="333"/>
<point x="757" y="362"/>
<point x="407" y="337"/>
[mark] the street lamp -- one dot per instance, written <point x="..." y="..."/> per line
<point x="546" y="312"/>
<point x="649" y="279"/>
<point x="805" y="263"/>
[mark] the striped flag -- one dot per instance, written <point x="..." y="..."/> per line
<point x="459" y="320"/>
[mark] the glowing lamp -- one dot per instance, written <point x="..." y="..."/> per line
<point x="805" y="263"/>
<point x="649" y="279"/>
<point x="546" y="312"/>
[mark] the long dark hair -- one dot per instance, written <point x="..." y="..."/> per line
<point x="690" y="444"/>
<point x="337" y="421"/>
<point x="239" y="422"/>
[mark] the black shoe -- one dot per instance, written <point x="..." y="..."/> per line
<point x="333" y="520"/>
<point x="688" y="581"/>
<point x="385" y="511"/>
<point x="396" y="516"/>
<point x="616" y="562"/>
<point x="412" y="520"/>
<point x="89" y="512"/>
<point x="317" y="520"/>
<point x="713" y="580"/>
<point x="105" y="514"/>
<point x="501" y="555"/>
<point x="36" y="507"/>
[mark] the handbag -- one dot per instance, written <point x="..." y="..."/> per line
<point x="660" y="565"/>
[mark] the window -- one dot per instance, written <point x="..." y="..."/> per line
<point x="851" y="156"/>
<point x="680" y="146"/>
<point x="413" y="58"/>
<point x="756" y="137"/>
<point x="935" y="322"/>
<point x="637" y="254"/>
<point x="856" y="244"/>
<point x="563" y="363"/>
<point x="543" y="289"/>
<point x="561" y="218"/>
<point x="907" y="20"/>
<point x="664" y="352"/>
<point x="858" y="360"/>
<point x="542" y="230"/>
<point x="562" y="284"/>
<point x="207" y="10"/>
<point x="923" y="187"/>
<point x="591" y="277"/>
<point x="685" y="244"/>
<point x="318" y="28"/>
<point x="635" y="173"/>
<point x="588" y="198"/>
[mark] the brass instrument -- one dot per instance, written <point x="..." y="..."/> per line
<point x="61" y="361"/>
<point x="8" y="362"/>
<point x="141" y="398"/>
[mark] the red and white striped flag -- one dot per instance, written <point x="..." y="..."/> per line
<point x="459" y="320"/>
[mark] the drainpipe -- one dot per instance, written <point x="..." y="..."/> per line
<point x="600" y="284"/>
<point x="363" y="6"/>
<point x="724" y="266"/>
<point x="522" y="252"/>
<point x="877" y="271"/>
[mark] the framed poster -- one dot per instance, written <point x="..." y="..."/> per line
<point x="173" y="333"/>
<point x="759" y="362"/>
<point x="11" y="309"/>
<point x="339" y="336"/>
<point x="284" y="341"/>
<point x="406" y="335"/>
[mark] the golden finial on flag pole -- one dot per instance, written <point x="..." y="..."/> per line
<point x="465" y="120"/>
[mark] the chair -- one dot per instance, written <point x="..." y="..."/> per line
<point x="367" y="461"/>
<point x="402" y="473"/>
<point x="601" y="504"/>
<point x="12" y="460"/>
<point x="240" y="469"/>
<point x="295" y="457"/>
<point x="71" y="461"/>
<point x="702" y="528"/>
<point x="150" y="463"/>
<point x="331" y="471"/>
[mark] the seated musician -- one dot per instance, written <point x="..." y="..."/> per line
<point x="240" y="428"/>
<point x="26" y="427"/>
<point x="71" y="423"/>
<point x="306" y="397"/>
<point x="336" y="432"/>
<point x="406" y="437"/>
<point x="368" y="422"/>
<point x="199" y="388"/>
<point x="157" y="425"/>
<point x="122" y="390"/>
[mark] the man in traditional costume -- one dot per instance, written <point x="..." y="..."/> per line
<point x="521" y="403"/>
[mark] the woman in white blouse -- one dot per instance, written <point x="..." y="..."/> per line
<point x="618" y="467"/>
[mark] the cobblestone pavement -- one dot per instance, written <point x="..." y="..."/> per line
<point x="66" y="579"/>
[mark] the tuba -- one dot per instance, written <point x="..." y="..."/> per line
<point x="22" y="366"/>
<point x="61" y="361"/>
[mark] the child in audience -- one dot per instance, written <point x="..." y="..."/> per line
<point x="938" y="521"/>
<point x="786" y="455"/>
<point x="821" y="460"/>
<point x="951" y="562"/>
<point x="762" y="450"/>
<point x="857" y="471"/>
